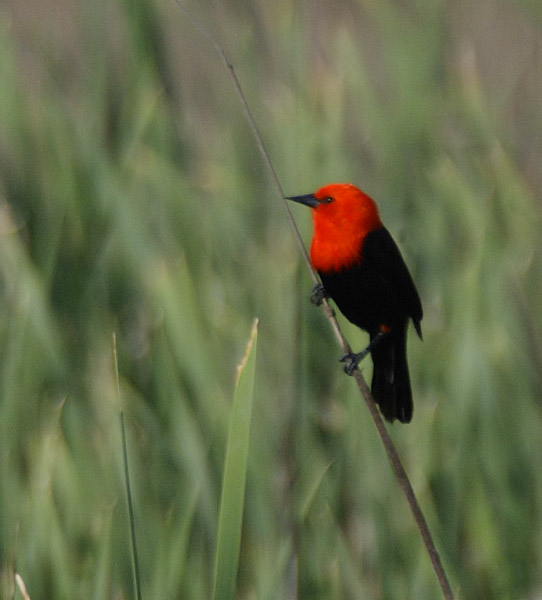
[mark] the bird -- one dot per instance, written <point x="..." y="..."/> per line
<point x="363" y="272"/>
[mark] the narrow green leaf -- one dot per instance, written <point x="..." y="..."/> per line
<point x="235" y="468"/>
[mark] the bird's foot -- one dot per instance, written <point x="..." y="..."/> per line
<point x="352" y="359"/>
<point x="318" y="293"/>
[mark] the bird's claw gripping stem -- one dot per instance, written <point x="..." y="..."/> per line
<point x="352" y="359"/>
<point x="318" y="293"/>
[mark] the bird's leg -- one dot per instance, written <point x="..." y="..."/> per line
<point x="352" y="359"/>
<point x="318" y="293"/>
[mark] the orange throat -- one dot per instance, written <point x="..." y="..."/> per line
<point x="339" y="233"/>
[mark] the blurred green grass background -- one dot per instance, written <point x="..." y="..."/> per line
<point x="133" y="199"/>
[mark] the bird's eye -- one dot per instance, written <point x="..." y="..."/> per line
<point x="328" y="199"/>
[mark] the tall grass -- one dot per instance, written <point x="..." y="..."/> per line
<point x="132" y="199"/>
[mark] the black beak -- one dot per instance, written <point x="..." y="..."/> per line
<point x="307" y="200"/>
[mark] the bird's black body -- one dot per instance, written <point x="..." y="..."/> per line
<point x="378" y="295"/>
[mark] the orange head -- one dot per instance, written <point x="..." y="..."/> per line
<point x="343" y="215"/>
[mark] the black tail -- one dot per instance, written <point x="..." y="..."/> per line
<point x="391" y="381"/>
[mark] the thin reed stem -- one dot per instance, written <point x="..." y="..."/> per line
<point x="391" y="451"/>
<point x="131" y="517"/>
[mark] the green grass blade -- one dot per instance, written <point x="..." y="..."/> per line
<point x="235" y="468"/>
<point x="131" y="518"/>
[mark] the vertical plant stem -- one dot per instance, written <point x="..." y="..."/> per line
<point x="131" y="518"/>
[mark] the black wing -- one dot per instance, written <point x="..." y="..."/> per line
<point x="382" y="256"/>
